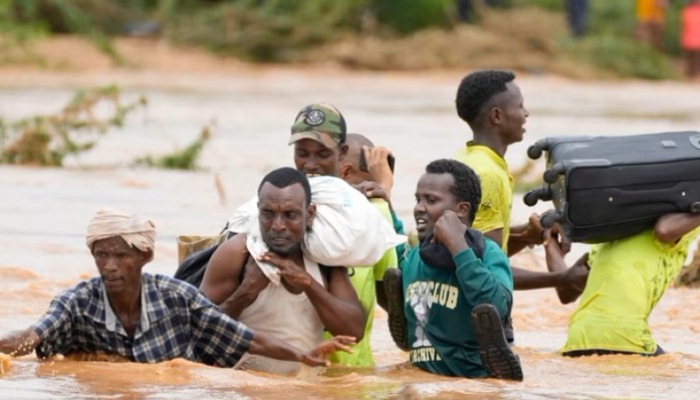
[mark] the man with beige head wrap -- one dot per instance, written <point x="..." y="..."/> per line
<point x="136" y="231"/>
<point x="144" y="317"/>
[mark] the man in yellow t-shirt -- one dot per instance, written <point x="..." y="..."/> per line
<point x="491" y="103"/>
<point x="627" y="279"/>
<point x="367" y="280"/>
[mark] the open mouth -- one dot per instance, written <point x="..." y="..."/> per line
<point x="421" y="223"/>
<point x="308" y="175"/>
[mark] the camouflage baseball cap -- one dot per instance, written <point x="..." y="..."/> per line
<point x="321" y="122"/>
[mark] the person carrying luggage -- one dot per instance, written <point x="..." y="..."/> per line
<point x="627" y="279"/>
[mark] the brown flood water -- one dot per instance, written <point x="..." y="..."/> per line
<point x="44" y="212"/>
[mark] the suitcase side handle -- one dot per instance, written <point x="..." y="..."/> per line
<point x="621" y="196"/>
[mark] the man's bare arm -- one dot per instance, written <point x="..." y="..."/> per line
<point x="338" y="306"/>
<point x="221" y="279"/>
<point x="671" y="227"/>
<point x="19" y="343"/>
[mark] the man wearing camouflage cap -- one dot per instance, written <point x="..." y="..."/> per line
<point x="319" y="137"/>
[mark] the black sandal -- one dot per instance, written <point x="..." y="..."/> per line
<point x="496" y="356"/>
<point x="398" y="327"/>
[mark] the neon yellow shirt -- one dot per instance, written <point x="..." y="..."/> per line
<point x="364" y="279"/>
<point x="496" y="189"/>
<point x="627" y="279"/>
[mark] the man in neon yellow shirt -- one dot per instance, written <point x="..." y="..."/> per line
<point x="491" y="103"/>
<point x="367" y="280"/>
<point x="627" y="279"/>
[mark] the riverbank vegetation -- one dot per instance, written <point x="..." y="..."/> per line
<point x="528" y="35"/>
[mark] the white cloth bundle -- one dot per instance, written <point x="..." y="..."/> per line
<point x="348" y="231"/>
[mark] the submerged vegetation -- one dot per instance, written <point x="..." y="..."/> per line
<point x="343" y="31"/>
<point x="46" y="140"/>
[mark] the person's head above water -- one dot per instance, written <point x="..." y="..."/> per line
<point x="446" y="185"/>
<point x="492" y="104"/>
<point x="350" y="164"/>
<point x="319" y="135"/>
<point x="121" y="244"/>
<point x="285" y="211"/>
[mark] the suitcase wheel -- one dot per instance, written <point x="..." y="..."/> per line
<point x="534" y="152"/>
<point x="543" y="193"/>
<point x="695" y="207"/>
<point x="550" y="218"/>
<point x="531" y="197"/>
<point x="551" y="175"/>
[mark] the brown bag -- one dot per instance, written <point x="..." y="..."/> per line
<point x="190" y="244"/>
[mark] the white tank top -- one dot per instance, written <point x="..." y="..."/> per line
<point x="287" y="316"/>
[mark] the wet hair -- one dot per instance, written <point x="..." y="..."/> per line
<point x="285" y="177"/>
<point x="477" y="90"/>
<point x="466" y="187"/>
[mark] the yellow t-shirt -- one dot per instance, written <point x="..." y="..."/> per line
<point x="627" y="279"/>
<point x="364" y="279"/>
<point x="496" y="189"/>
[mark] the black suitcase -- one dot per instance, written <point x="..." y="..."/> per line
<point x="606" y="188"/>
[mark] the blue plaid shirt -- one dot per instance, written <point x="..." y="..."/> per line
<point x="177" y="321"/>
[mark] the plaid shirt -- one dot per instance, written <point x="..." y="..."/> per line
<point x="178" y="321"/>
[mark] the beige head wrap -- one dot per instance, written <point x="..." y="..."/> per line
<point x="137" y="231"/>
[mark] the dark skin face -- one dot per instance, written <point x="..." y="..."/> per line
<point x="433" y="198"/>
<point x="119" y="265"/>
<point x="284" y="217"/>
<point x="510" y="115"/>
<point x="313" y="158"/>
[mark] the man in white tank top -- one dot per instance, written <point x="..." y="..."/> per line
<point x="309" y="298"/>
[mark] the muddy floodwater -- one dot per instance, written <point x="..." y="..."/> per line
<point x="44" y="213"/>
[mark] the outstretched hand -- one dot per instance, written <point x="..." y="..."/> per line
<point x="317" y="356"/>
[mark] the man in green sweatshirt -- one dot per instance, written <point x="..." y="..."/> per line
<point x="453" y="275"/>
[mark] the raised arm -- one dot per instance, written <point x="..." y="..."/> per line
<point x="574" y="278"/>
<point x="670" y="228"/>
<point x="222" y="279"/>
<point x="478" y="283"/>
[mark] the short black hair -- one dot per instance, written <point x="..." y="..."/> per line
<point x="477" y="89"/>
<point x="466" y="187"/>
<point x="285" y="177"/>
